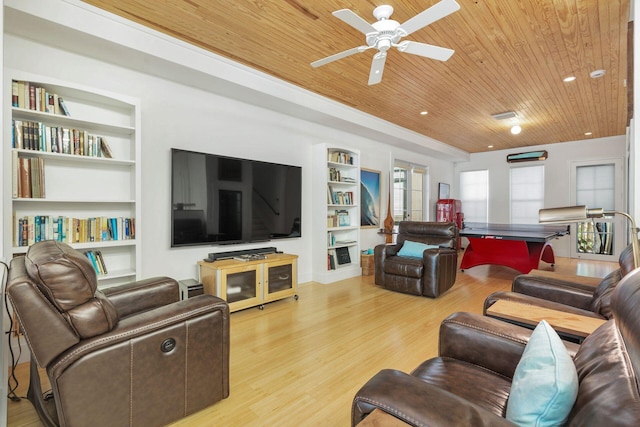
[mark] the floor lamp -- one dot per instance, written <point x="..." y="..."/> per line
<point x="571" y="214"/>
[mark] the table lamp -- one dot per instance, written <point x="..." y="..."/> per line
<point x="571" y="214"/>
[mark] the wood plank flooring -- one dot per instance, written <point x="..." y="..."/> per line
<point x="299" y="363"/>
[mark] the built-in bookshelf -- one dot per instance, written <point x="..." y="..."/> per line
<point x="337" y="234"/>
<point x="72" y="172"/>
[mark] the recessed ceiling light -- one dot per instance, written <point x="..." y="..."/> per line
<point x="569" y="79"/>
<point x="424" y="113"/>
<point x="490" y="146"/>
<point x="516" y="129"/>
<point x="597" y="73"/>
<point x="588" y="133"/>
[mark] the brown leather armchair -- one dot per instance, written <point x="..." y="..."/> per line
<point x="469" y="383"/>
<point x="131" y="355"/>
<point x="563" y="295"/>
<point x="431" y="274"/>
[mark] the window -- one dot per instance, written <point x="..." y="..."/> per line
<point x="527" y="194"/>
<point x="409" y="199"/>
<point x="474" y="195"/>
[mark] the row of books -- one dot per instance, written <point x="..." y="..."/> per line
<point x="37" y="136"/>
<point x="28" y="177"/>
<point x="34" y="228"/>
<point x="340" y="219"/>
<point x="340" y="197"/>
<point x="337" y="176"/>
<point x="98" y="262"/>
<point x="340" y="157"/>
<point x="34" y="97"/>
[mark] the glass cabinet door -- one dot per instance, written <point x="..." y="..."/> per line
<point x="241" y="286"/>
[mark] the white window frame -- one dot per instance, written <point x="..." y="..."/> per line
<point x="516" y="197"/>
<point x="486" y="200"/>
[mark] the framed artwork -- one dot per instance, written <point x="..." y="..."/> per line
<point x="443" y="190"/>
<point x="369" y="198"/>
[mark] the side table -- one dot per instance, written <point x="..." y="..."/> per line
<point x="366" y="262"/>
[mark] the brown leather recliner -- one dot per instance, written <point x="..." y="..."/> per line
<point x="430" y="275"/>
<point x="132" y="355"/>
<point x="469" y="383"/>
<point x="563" y="295"/>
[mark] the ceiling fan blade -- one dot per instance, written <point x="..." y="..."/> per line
<point x="354" y="20"/>
<point x="426" y="50"/>
<point x="337" y="56"/>
<point x="377" y="67"/>
<point x="426" y="17"/>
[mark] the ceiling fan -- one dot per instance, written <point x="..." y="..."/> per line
<point x="386" y="33"/>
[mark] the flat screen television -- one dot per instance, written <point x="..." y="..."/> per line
<point x="225" y="200"/>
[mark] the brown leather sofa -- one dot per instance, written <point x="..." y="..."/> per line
<point x="570" y="297"/>
<point x="430" y="275"/>
<point x="469" y="383"/>
<point x="132" y="355"/>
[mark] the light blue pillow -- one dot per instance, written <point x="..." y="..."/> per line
<point x="545" y="383"/>
<point x="414" y="249"/>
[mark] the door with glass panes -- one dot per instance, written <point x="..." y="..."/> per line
<point x="598" y="184"/>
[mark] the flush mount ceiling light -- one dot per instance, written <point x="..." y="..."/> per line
<point x="505" y="115"/>
<point x="516" y="129"/>
<point x="597" y="74"/>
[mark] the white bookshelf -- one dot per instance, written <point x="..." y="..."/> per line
<point x="336" y="186"/>
<point x="79" y="186"/>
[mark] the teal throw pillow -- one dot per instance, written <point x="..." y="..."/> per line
<point x="414" y="249"/>
<point x="545" y="383"/>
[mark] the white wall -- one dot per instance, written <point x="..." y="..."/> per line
<point x="557" y="174"/>
<point x="175" y="114"/>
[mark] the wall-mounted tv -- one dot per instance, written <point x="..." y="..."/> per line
<point x="225" y="200"/>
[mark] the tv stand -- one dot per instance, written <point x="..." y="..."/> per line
<point x="253" y="282"/>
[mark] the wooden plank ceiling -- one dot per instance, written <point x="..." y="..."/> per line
<point x="510" y="55"/>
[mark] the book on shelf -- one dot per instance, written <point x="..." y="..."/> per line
<point x="33" y="96"/>
<point x="334" y="174"/>
<point x="63" y="106"/>
<point x="331" y="260"/>
<point x="24" y="176"/>
<point x="28" y="177"/>
<point x="38" y="136"/>
<point x="106" y="149"/>
<point x="31" y="228"/>
<point x="342" y="198"/>
<point x="340" y="157"/>
<point x="97" y="261"/>
<point x="342" y="256"/>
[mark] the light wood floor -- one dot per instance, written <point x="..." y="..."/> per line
<point x="299" y="363"/>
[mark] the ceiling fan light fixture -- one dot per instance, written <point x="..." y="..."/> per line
<point x="386" y="33"/>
